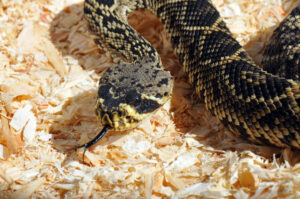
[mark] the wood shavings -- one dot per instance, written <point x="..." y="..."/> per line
<point x="53" y="56"/>
<point x="50" y="69"/>
<point x="247" y="178"/>
<point x="1" y="152"/>
<point x="206" y="190"/>
<point x="20" y="118"/>
<point x="28" y="189"/>
<point x="11" y="142"/>
<point x="183" y="161"/>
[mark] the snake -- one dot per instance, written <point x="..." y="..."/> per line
<point x="255" y="103"/>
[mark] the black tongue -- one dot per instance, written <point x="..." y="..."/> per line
<point x="93" y="141"/>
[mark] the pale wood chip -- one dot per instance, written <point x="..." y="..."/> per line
<point x="53" y="55"/>
<point x="27" y="190"/>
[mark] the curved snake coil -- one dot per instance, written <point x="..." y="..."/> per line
<point x="251" y="102"/>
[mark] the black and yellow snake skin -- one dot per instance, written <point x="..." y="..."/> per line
<point x="282" y="55"/>
<point x="251" y="102"/>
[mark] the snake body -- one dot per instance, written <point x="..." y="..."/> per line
<point x="251" y="102"/>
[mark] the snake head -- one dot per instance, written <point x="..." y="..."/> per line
<point x="130" y="92"/>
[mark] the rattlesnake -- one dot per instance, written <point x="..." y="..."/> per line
<point x="250" y="101"/>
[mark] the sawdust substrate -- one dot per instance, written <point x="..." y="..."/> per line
<point x="50" y="67"/>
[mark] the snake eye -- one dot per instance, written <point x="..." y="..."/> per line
<point x="133" y="98"/>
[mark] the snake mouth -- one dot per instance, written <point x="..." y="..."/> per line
<point x="119" y="123"/>
<point x="126" y="116"/>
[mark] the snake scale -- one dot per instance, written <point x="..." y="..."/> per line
<point x="251" y="102"/>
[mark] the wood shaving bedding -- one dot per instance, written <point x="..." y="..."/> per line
<point x="48" y="85"/>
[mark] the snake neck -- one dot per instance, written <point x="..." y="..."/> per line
<point x="108" y="22"/>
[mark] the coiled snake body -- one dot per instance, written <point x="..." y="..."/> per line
<point x="251" y="102"/>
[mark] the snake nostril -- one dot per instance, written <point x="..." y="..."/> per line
<point x="128" y="118"/>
